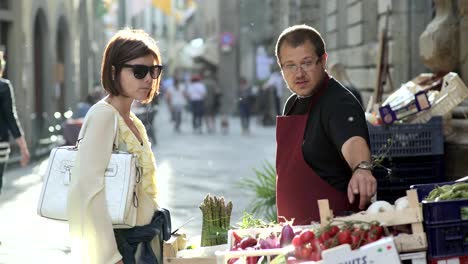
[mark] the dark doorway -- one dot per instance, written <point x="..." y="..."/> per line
<point x="62" y="65"/>
<point x="85" y="68"/>
<point x="39" y="48"/>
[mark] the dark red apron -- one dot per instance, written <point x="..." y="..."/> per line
<point x="298" y="187"/>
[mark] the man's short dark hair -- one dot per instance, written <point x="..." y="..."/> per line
<point x="298" y="35"/>
<point x="124" y="46"/>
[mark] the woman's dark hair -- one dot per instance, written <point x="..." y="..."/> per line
<point x="124" y="46"/>
<point x="298" y="35"/>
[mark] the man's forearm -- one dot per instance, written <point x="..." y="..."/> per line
<point x="355" y="150"/>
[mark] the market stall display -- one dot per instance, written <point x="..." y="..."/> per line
<point x="308" y="244"/>
<point x="336" y="239"/>
<point x="409" y="218"/>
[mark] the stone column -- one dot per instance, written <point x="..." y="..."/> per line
<point x="228" y="71"/>
<point x="463" y="29"/>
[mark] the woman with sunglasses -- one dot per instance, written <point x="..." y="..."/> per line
<point x="130" y="70"/>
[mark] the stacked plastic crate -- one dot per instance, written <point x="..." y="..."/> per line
<point x="446" y="226"/>
<point x="409" y="154"/>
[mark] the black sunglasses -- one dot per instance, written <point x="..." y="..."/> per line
<point x="140" y="71"/>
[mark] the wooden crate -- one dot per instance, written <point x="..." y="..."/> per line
<point x="174" y="244"/>
<point x="172" y="260"/>
<point x="198" y="255"/>
<point x="415" y="258"/>
<point x="417" y="241"/>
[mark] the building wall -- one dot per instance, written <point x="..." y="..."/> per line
<point x="351" y="31"/>
<point x="254" y="30"/>
<point x="58" y="92"/>
<point x="228" y="69"/>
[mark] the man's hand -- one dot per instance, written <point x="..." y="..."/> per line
<point x="363" y="183"/>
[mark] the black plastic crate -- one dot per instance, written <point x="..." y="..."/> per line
<point x="408" y="139"/>
<point x="445" y="211"/>
<point x="410" y="170"/>
<point x="454" y="259"/>
<point x="446" y="240"/>
<point x="446" y="226"/>
<point x="441" y="212"/>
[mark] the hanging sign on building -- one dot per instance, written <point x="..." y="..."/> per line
<point x="227" y="41"/>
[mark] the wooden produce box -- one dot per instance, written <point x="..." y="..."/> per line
<point x="210" y="260"/>
<point x="417" y="241"/>
<point x="176" y="243"/>
<point x="174" y="252"/>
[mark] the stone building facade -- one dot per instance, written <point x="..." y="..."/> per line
<point x="351" y="29"/>
<point x="53" y="56"/>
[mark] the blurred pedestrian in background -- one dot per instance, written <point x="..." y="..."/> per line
<point x="146" y="113"/>
<point x="196" y="92"/>
<point x="175" y="96"/>
<point x="276" y="83"/>
<point x="245" y="104"/>
<point x="71" y="126"/>
<point x="83" y="106"/>
<point x="212" y="100"/>
<point x="9" y="123"/>
<point x="338" y="72"/>
<point x="265" y="105"/>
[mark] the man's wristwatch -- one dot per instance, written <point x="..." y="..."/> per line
<point x="365" y="165"/>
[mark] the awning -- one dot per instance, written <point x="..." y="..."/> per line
<point x="193" y="54"/>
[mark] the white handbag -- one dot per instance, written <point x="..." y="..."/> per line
<point x="120" y="179"/>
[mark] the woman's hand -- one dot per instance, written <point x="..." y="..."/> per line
<point x="120" y="262"/>
<point x="24" y="150"/>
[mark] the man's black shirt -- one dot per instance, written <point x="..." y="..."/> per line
<point x="336" y="117"/>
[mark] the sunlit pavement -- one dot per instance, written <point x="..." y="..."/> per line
<point x="26" y="237"/>
<point x="189" y="167"/>
<point x="192" y="165"/>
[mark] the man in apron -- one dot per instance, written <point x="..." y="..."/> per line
<point x="322" y="138"/>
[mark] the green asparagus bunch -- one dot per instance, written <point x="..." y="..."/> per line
<point x="216" y="220"/>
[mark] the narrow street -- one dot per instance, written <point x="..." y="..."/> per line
<point x="189" y="167"/>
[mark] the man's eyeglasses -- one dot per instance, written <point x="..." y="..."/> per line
<point x="140" y="71"/>
<point x="305" y="66"/>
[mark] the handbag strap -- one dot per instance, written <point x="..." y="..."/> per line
<point x="115" y="144"/>
<point x="116" y="134"/>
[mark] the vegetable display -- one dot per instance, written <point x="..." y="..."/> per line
<point x="307" y="244"/>
<point x="449" y="192"/>
<point x="216" y="220"/>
